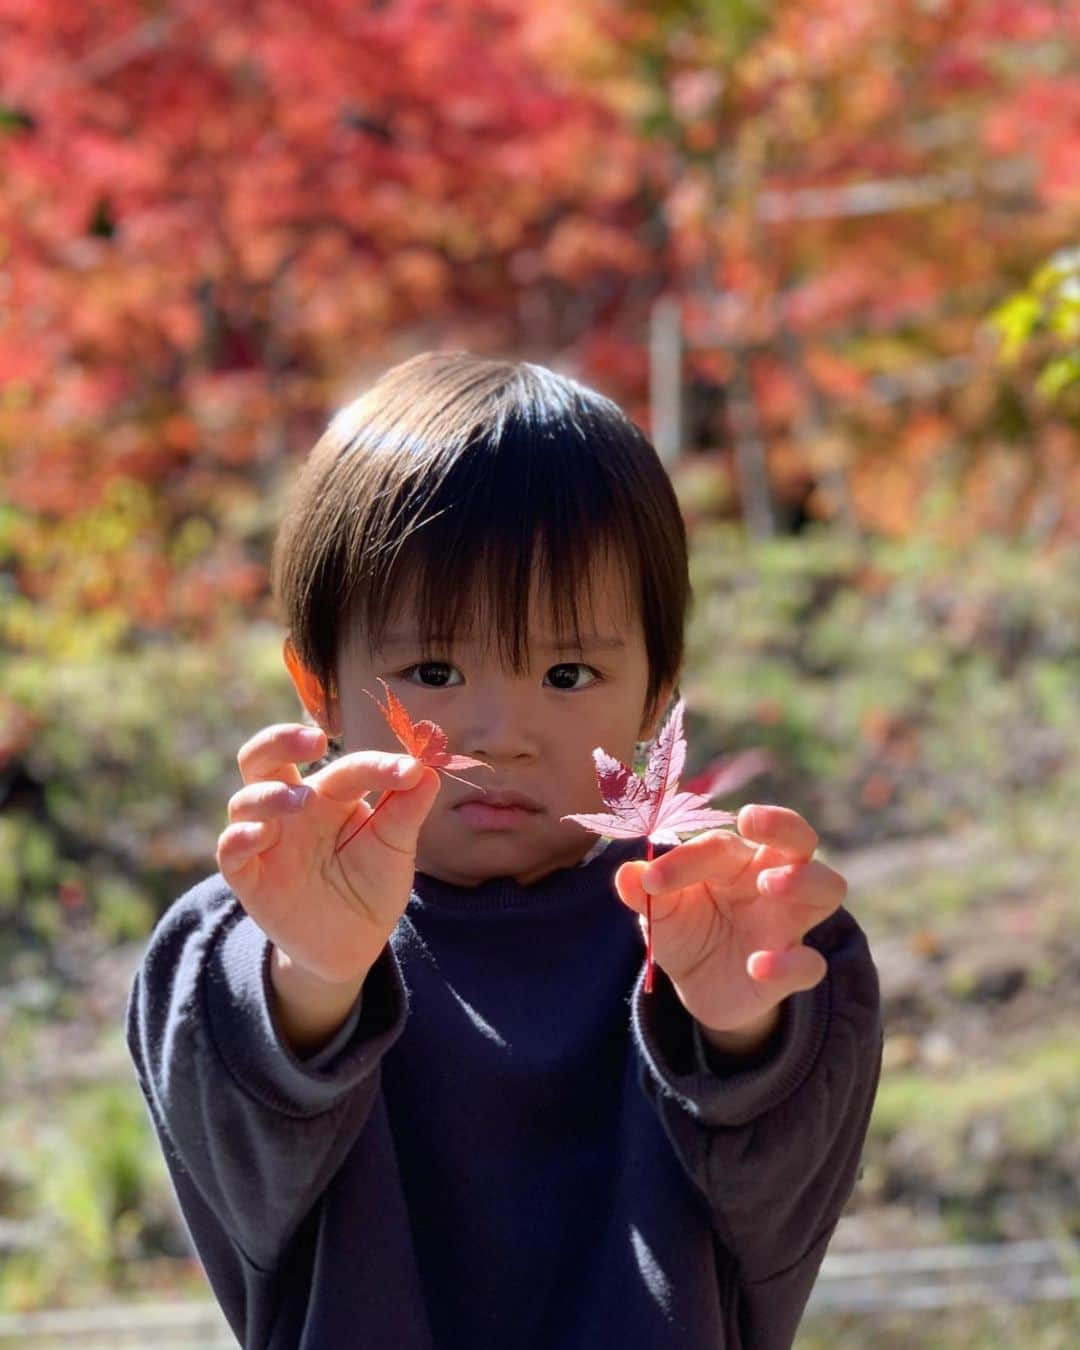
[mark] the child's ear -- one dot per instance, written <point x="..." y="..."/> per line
<point x="310" y="690"/>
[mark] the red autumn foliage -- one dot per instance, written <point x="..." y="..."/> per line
<point x="217" y="219"/>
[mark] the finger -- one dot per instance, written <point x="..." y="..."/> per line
<point x="809" y="886"/>
<point x="362" y="771"/>
<point x="789" y="971"/>
<point x="259" y="801"/>
<point x="274" y="752"/>
<point x="718" y="855"/>
<point x="241" y="844"/>
<point x="778" y="827"/>
<point x="394" y="822"/>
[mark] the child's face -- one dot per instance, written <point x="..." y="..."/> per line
<point x="536" y="730"/>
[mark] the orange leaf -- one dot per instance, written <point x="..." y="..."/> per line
<point x="424" y="740"/>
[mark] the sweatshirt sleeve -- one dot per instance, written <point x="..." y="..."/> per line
<point x="251" y="1134"/>
<point x="775" y="1147"/>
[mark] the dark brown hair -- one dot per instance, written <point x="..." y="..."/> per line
<point x="455" y="469"/>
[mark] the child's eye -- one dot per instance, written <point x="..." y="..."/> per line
<point x="566" y="671"/>
<point x="435" y="675"/>
<point x="432" y="673"/>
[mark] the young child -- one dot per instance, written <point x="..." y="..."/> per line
<point x="412" y="1094"/>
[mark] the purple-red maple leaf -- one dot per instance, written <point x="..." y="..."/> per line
<point x="651" y="806"/>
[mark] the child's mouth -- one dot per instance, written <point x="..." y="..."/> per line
<point x="482" y="816"/>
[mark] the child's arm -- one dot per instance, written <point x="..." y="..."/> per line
<point x="256" y="1086"/>
<point x="307" y="1011"/>
<point x="773" y="1143"/>
<point x="251" y="1131"/>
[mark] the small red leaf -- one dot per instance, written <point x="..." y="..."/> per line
<point x="425" y="741"/>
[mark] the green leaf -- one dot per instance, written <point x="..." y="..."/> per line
<point x="1016" y="320"/>
<point x="1058" y="375"/>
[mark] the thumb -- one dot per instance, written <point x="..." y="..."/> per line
<point x="395" y="819"/>
<point x="787" y="972"/>
<point x="628" y="887"/>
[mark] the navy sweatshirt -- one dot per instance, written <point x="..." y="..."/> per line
<point x="508" y="1145"/>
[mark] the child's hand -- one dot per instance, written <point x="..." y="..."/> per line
<point x="331" y="913"/>
<point x="733" y="950"/>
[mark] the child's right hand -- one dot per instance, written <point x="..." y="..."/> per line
<point x="330" y="913"/>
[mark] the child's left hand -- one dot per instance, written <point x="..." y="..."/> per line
<point x="732" y="948"/>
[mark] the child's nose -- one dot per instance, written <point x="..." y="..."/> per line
<point x="498" y="727"/>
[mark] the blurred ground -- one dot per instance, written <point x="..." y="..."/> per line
<point x="918" y="710"/>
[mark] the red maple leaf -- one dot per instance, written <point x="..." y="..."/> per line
<point x="730" y="772"/>
<point x="425" y="741"/>
<point x="651" y="806"/>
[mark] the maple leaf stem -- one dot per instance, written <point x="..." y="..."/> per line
<point x="382" y="802"/>
<point x="648" y="926"/>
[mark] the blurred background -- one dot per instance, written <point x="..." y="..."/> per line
<point x="827" y="253"/>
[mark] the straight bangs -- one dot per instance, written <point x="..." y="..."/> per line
<point x="472" y="486"/>
<point x="473" y="567"/>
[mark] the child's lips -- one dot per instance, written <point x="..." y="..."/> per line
<point x="503" y="797"/>
<point x="497" y="810"/>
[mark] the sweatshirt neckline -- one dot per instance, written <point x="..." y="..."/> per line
<point x="565" y="885"/>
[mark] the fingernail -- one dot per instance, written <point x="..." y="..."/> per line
<point x="771" y="881"/>
<point x="404" y="767"/>
<point x="296" y="796"/>
<point x="650" y="882"/>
